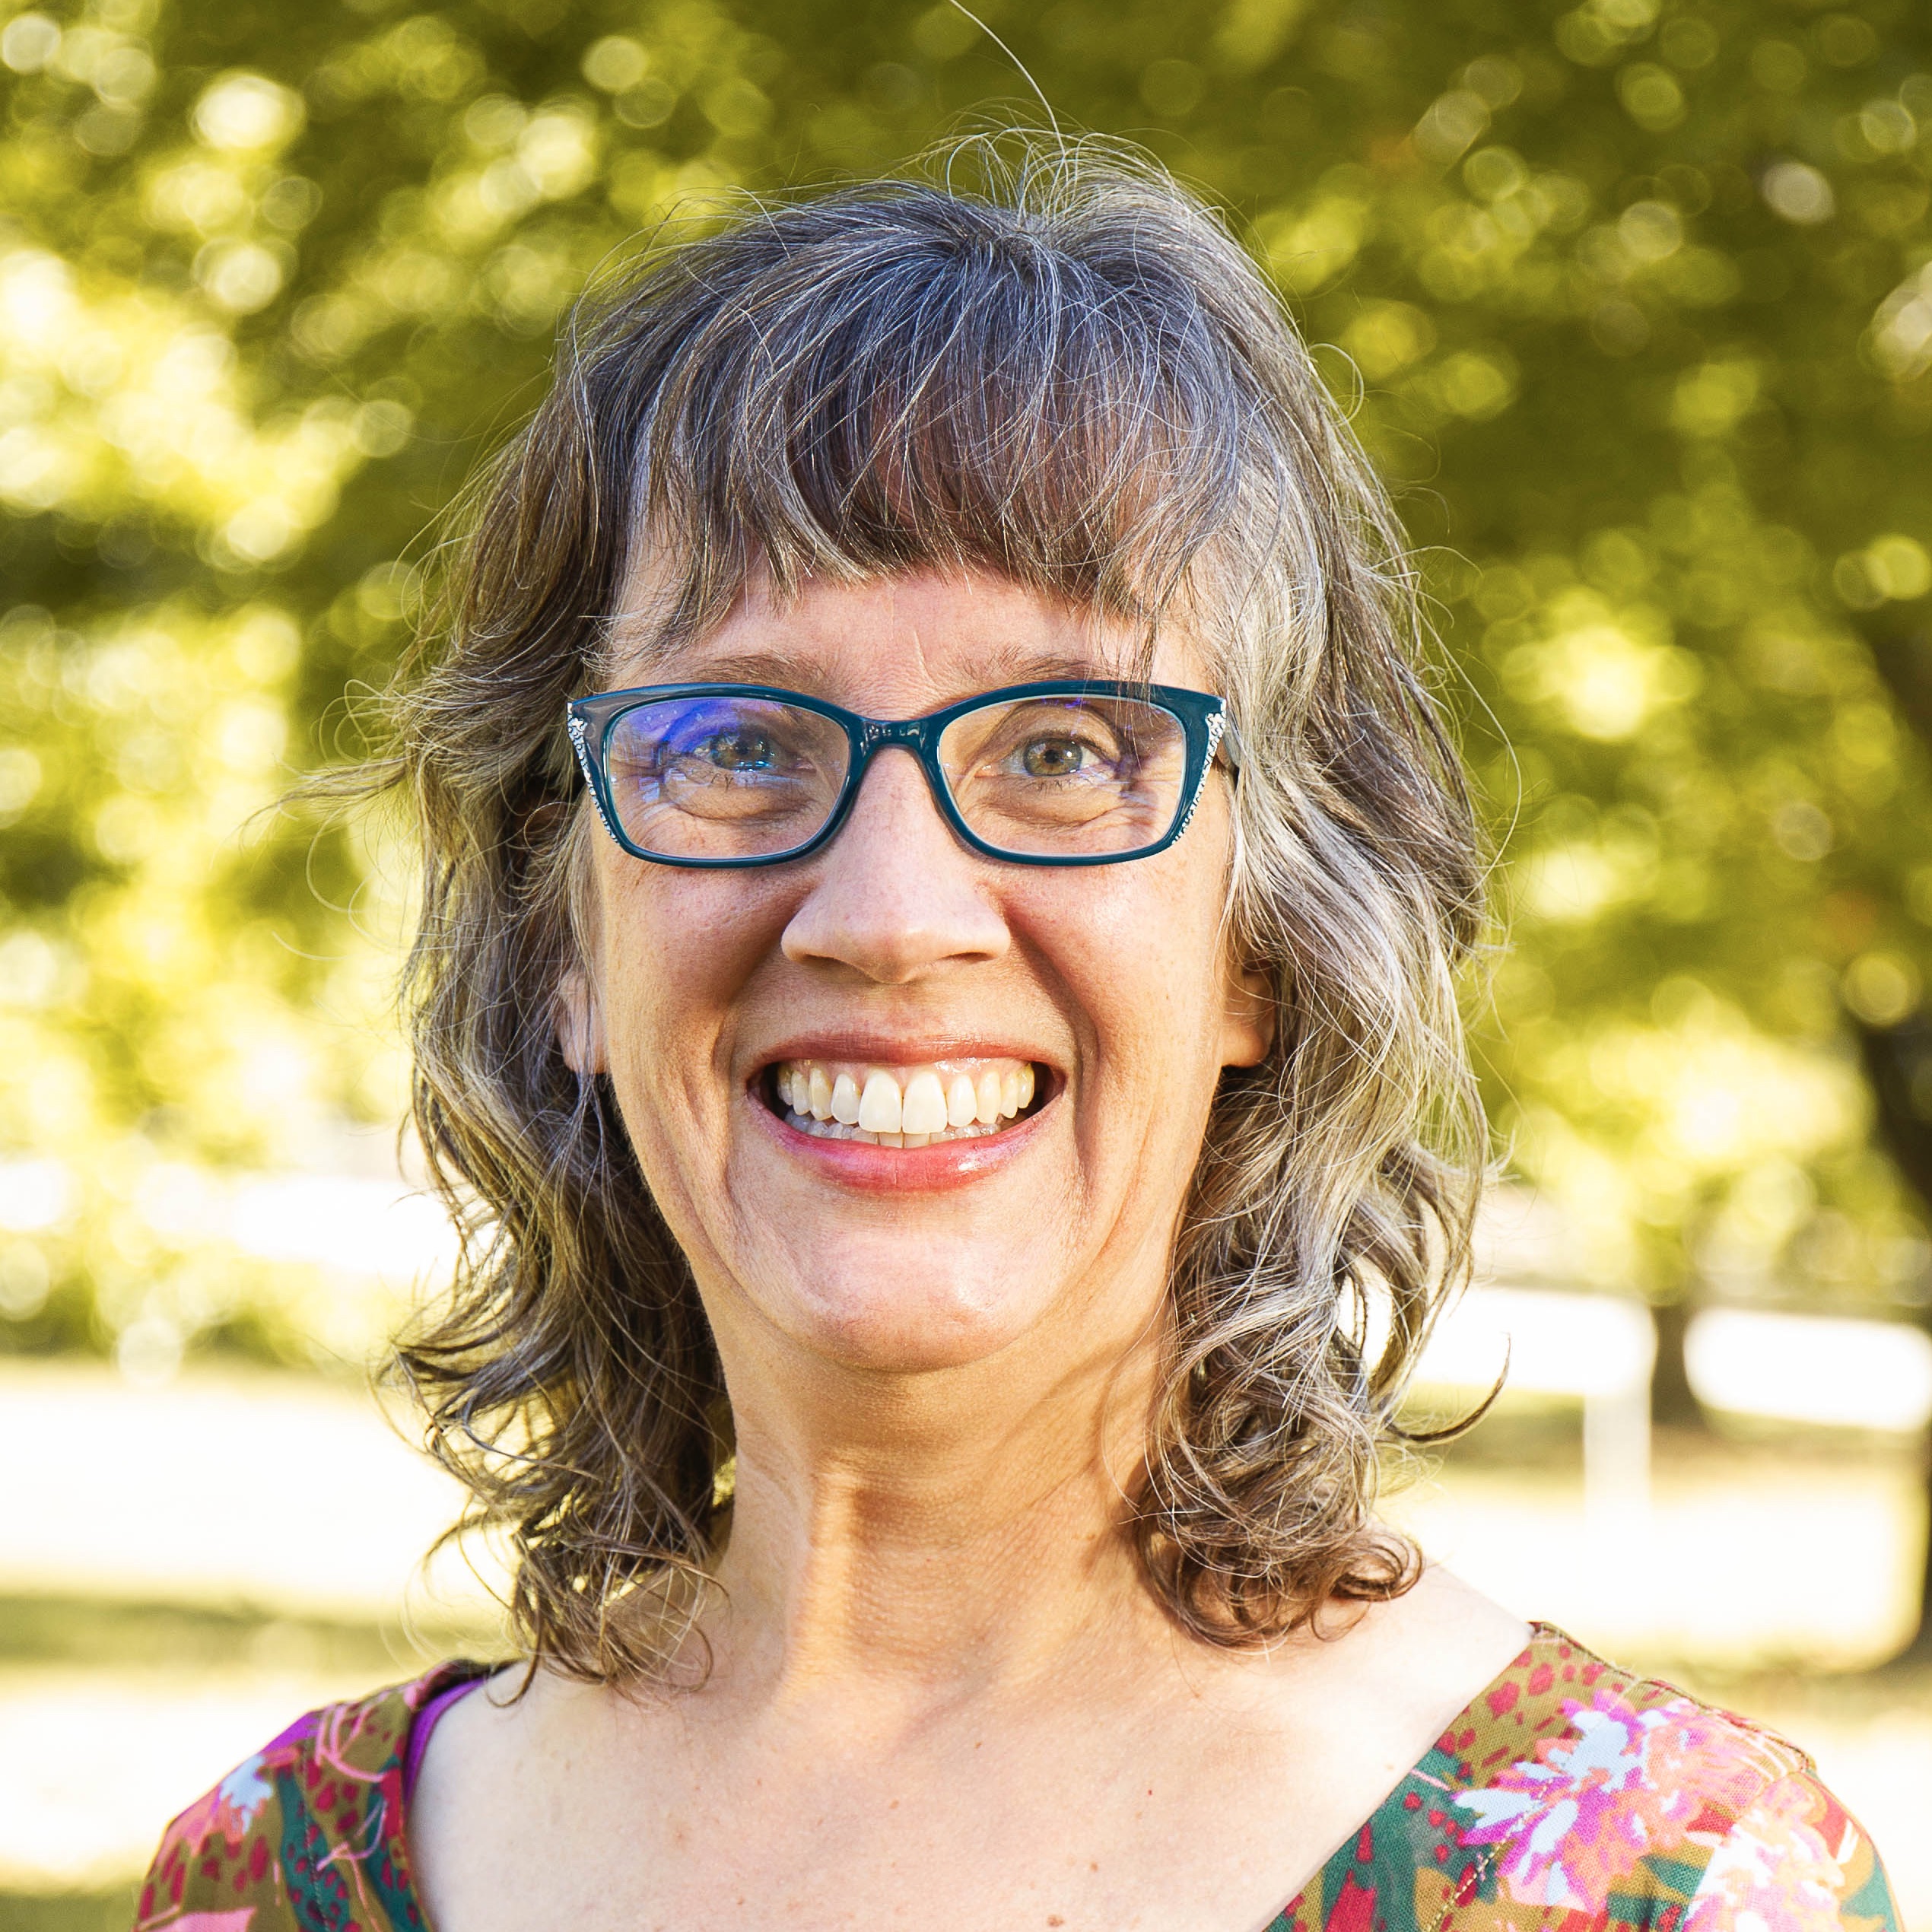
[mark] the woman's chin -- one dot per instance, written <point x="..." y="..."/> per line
<point x="900" y="1316"/>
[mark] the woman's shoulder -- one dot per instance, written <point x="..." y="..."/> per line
<point x="1591" y="1797"/>
<point x="307" y="1833"/>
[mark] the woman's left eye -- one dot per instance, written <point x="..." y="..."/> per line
<point x="1053" y="757"/>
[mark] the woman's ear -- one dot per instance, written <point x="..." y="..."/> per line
<point x="580" y="1025"/>
<point x="1248" y="1018"/>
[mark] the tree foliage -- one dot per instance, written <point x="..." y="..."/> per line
<point x="1633" y="302"/>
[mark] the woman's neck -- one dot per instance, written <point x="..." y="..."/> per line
<point x="953" y="1537"/>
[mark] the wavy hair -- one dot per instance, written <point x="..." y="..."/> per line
<point x="1074" y="375"/>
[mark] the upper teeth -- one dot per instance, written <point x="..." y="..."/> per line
<point x="912" y="1104"/>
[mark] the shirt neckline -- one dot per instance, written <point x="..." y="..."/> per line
<point x="441" y="1687"/>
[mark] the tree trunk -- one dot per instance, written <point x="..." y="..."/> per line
<point x="1673" y="1401"/>
<point x="1898" y="1059"/>
<point x="1898" y="1065"/>
<point x="1919" y="1646"/>
<point x="1900" y="639"/>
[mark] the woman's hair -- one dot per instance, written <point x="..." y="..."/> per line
<point x="1075" y="377"/>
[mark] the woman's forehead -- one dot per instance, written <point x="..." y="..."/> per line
<point x="919" y="638"/>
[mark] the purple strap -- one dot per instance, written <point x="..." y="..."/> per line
<point x="427" y="1719"/>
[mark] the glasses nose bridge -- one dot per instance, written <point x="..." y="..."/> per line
<point x="912" y="735"/>
<point x="877" y="733"/>
<point x="915" y="736"/>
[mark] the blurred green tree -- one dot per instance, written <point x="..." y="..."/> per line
<point x="1631" y="301"/>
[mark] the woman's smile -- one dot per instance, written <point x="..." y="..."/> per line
<point x="904" y="1123"/>
<point x="945" y="1101"/>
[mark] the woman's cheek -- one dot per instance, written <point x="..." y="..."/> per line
<point x="679" y="949"/>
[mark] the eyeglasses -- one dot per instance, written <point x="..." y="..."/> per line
<point x="1062" y="773"/>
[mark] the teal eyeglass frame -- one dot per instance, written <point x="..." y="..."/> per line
<point x="1204" y="720"/>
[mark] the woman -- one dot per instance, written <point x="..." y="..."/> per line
<point x="935" y="1002"/>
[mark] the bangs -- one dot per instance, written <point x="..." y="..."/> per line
<point x="913" y="379"/>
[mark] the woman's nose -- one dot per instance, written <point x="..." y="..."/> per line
<point x="896" y="894"/>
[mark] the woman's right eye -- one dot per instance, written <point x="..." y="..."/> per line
<point x="740" y="751"/>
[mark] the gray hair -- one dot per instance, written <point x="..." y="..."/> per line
<point x="1075" y="377"/>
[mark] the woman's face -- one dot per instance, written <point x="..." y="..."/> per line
<point x="718" y="1001"/>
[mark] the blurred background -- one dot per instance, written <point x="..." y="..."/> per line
<point x="1632" y="303"/>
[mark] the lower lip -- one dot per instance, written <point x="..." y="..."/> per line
<point x="931" y="1169"/>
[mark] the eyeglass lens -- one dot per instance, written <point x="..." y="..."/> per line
<point x="720" y="776"/>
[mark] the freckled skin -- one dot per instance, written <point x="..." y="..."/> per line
<point x="935" y="1672"/>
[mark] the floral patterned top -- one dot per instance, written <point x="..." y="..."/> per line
<point x="1570" y="1797"/>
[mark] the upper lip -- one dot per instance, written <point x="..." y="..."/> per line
<point x="883" y="1049"/>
